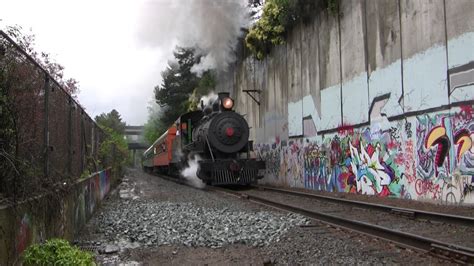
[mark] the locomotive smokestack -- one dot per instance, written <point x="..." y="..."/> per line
<point x="222" y="95"/>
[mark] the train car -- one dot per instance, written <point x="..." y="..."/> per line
<point x="159" y="155"/>
<point x="217" y="137"/>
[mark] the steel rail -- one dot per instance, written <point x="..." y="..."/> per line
<point x="412" y="213"/>
<point x="434" y="247"/>
<point x="437" y="248"/>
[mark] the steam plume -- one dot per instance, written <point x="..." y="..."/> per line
<point x="208" y="99"/>
<point x="190" y="172"/>
<point x="211" y="26"/>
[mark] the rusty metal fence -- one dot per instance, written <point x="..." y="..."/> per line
<point x="41" y="126"/>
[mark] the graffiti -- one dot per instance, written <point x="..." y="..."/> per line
<point x="430" y="156"/>
<point x="461" y="76"/>
<point x="465" y="114"/>
<point x="345" y="130"/>
<point x="409" y="161"/>
<point x="426" y="186"/>
<point x="460" y="190"/>
<point x="104" y="183"/>
<point x="394" y="133"/>
<point x="24" y="234"/>
<point x="437" y="137"/>
<point x="408" y="129"/>
<point x="294" y="159"/>
<point x="80" y="209"/>
<point x="450" y="139"/>
<point x="315" y="168"/>
<point x="271" y="155"/>
<point x="64" y="217"/>
<point x="464" y="142"/>
<point x="309" y="128"/>
<point x="373" y="174"/>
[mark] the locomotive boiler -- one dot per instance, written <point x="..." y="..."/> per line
<point x="217" y="137"/>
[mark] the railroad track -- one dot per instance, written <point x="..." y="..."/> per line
<point x="439" y="248"/>
<point x="410" y="213"/>
<point x="444" y="249"/>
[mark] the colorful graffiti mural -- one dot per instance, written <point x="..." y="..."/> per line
<point x="36" y="224"/>
<point x="23" y="236"/>
<point x="430" y="157"/>
<point x="446" y="155"/>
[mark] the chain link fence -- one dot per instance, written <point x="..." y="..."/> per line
<point x="46" y="137"/>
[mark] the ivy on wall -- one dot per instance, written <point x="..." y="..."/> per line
<point x="278" y="18"/>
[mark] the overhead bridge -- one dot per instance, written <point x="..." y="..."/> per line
<point x="135" y="141"/>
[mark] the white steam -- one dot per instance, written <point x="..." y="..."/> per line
<point x="190" y="172"/>
<point x="211" y="26"/>
<point x="208" y="99"/>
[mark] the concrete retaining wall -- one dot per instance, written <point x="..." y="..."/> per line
<point x="61" y="215"/>
<point x="378" y="100"/>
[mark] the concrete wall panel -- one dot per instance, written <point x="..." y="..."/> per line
<point x="384" y="53"/>
<point x="294" y="64"/>
<point x="260" y="84"/>
<point x="306" y="60"/>
<point x="270" y="92"/>
<point x="396" y="65"/>
<point x="329" y="71"/>
<point x="424" y="54"/>
<point x="47" y="216"/>
<point x="313" y="65"/>
<point x="460" y="32"/>
<point x="331" y="110"/>
<point x="281" y="92"/>
<point x="353" y="56"/>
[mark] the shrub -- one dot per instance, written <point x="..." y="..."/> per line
<point x="56" y="252"/>
<point x="278" y="18"/>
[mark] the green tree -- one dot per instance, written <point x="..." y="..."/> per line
<point x="206" y="84"/>
<point x="21" y="100"/>
<point x="113" y="150"/>
<point x="26" y="41"/>
<point x="177" y="86"/>
<point x="277" y="20"/>
<point x="179" y="92"/>
<point x="111" y="120"/>
<point x="153" y="128"/>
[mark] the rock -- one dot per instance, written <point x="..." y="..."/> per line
<point x="109" y="249"/>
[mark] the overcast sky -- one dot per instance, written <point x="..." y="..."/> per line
<point x="117" y="49"/>
<point x="96" y="42"/>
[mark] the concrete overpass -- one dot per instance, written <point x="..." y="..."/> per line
<point x="136" y="142"/>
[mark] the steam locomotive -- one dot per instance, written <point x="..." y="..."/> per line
<point x="216" y="137"/>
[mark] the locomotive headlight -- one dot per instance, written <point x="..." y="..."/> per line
<point x="227" y="103"/>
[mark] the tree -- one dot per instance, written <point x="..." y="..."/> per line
<point x="21" y="113"/>
<point x="153" y="128"/>
<point x="113" y="150"/>
<point x="178" y="84"/>
<point x="206" y="84"/>
<point x="26" y="41"/>
<point x="111" y="120"/>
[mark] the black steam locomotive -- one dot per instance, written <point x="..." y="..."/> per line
<point x="218" y="136"/>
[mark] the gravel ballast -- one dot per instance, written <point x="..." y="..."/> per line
<point x="164" y="223"/>
<point x="148" y="220"/>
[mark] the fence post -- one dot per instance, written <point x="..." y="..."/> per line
<point x="69" y="134"/>
<point x="113" y="159"/>
<point x="46" y="125"/>
<point x="82" y="140"/>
